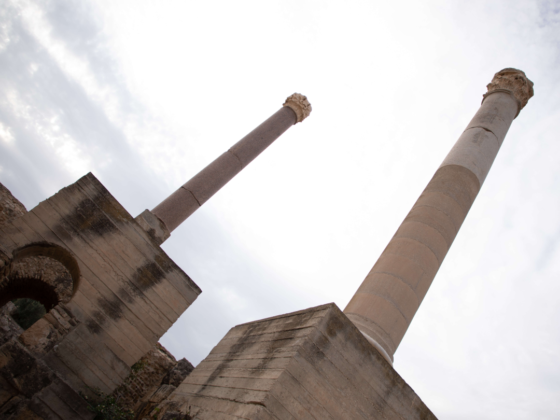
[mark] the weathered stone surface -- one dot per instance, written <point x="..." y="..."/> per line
<point x="145" y="378"/>
<point x="328" y="370"/>
<point x="300" y="105"/>
<point x="8" y="327"/>
<point x="40" y="337"/>
<point x="114" y="294"/>
<point x="176" y="375"/>
<point x="388" y="298"/>
<point x="176" y="208"/>
<point x="10" y="207"/>
<point x="35" y="390"/>
<point x="153" y="226"/>
<point x="514" y="81"/>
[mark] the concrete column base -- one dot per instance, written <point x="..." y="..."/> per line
<point x="311" y="364"/>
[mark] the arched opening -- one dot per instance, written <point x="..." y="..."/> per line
<point x="38" y="278"/>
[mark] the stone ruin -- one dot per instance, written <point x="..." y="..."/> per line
<point x="111" y="292"/>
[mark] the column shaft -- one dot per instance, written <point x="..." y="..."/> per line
<point x="176" y="208"/>
<point x="387" y="300"/>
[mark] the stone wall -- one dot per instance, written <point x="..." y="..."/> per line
<point x="48" y="278"/>
<point x="311" y="364"/>
<point x="8" y="327"/>
<point x="114" y="294"/>
<point x="10" y="207"/>
<point x="152" y="379"/>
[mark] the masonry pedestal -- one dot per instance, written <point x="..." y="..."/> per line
<point x="311" y="364"/>
<point x="125" y="293"/>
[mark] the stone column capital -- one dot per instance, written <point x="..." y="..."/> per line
<point x="300" y="105"/>
<point x="514" y="82"/>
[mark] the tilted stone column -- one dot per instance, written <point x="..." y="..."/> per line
<point x="176" y="208"/>
<point x="387" y="300"/>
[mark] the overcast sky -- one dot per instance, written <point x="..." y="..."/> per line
<point x="144" y="94"/>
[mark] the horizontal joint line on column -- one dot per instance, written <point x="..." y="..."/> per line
<point x="485" y="129"/>
<point x="194" y="196"/>
<point x="441" y="211"/>
<point x="388" y="299"/>
<point x="421" y="243"/>
<point x="405" y="257"/>
<point x="430" y="226"/>
<point x="233" y="153"/>
<point x="451" y="197"/>
<point x="397" y="277"/>
<point x="387" y="340"/>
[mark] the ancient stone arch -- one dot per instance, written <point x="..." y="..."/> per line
<point x="44" y="272"/>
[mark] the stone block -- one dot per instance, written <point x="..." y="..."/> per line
<point x="311" y="364"/>
<point x="208" y="181"/>
<point x="475" y="150"/>
<point x="153" y="226"/>
<point x="415" y="251"/>
<point x="426" y="235"/>
<point x="176" y="208"/>
<point x="457" y="182"/>
<point x="496" y="114"/>
<point x="126" y="291"/>
<point x="435" y="217"/>
<point x="40" y="337"/>
<point x="394" y="290"/>
<point x="250" y="146"/>
<point x="401" y="267"/>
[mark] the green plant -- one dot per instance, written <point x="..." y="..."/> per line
<point x="107" y="407"/>
<point x="28" y="311"/>
<point x="138" y="366"/>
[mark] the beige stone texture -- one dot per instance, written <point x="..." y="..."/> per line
<point x="388" y="298"/>
<point x="153" y="225"/>
<point x="386" y="302"/>
<point x="476" y="150"/>
<point x="496" y="114"/>
<point x="40" y="337"/>
<point x="416" y="251"/>
<point x="393" y="290"/>
<point x="176" y="208"/>
<point x="10" y="207"/>
<point x="8" y="327"/>
<point x="387" y="315"/>
<point x="430" y="211"/>
<point x="254" y="143"/>
<point x="457" y="182"/>
<point x="375" y="335"/>
<point x="145" y="378"/>
<point x="425" y="235"/>
<point x="311" y="364"/>
<point x="126" y="291"/>
<point x="400" y="267"/>
<point x="300" y="105"/>
<point x="516" y="82"/>
<point x="210" y="180"/>
<point x="36" y="390"/>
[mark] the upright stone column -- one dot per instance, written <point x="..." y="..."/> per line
<point x="387" y="300"/>
<point x="176" y="208"/>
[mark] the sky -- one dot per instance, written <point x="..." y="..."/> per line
<point x="145" y="94"/>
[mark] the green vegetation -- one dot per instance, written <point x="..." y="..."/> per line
<point x="107" y="408"/>
<point x="28" y="311"/>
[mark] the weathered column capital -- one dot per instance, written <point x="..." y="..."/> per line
<point x="300" y="106"/>
<point x="514" y="82"/>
